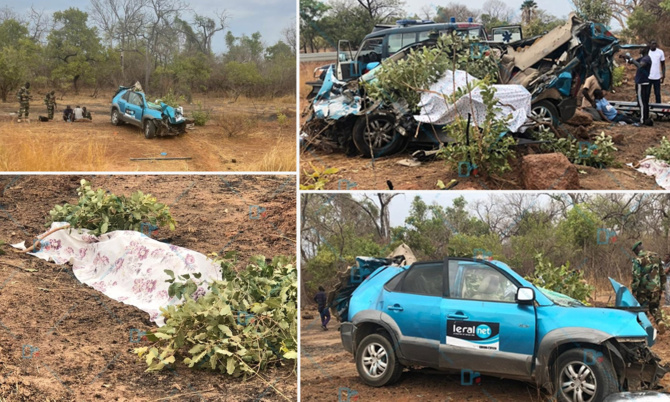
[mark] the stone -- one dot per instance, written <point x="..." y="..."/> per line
<point x="549" y="172"/>
<point x="581" y="118"/>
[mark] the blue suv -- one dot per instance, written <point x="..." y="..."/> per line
<point x="478" y="316"/>
<point x="131" y="106"/>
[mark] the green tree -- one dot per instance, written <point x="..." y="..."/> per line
<point x="16" y="56"/>
<point x="528" y="10"/>
<point x="241" y="77"/>
<point x="311" y="12"/>
<point x="74" y="47"/>
<point x="594" y="10"/>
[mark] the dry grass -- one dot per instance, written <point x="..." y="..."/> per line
<point x="307" y="74"/>
<point x="281" y="158"/>
<point x="47" y="153"/>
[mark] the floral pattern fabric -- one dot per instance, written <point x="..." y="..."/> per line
<point x="657" y="168"/>
<point x="127" y="266"/>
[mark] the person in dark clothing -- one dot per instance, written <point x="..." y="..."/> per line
<point x="68" y="114"/>
<point x="324" y="311"/>
<point x="642" y="86"/>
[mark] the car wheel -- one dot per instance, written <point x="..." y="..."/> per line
<point x="376" y="361"/>
<point x="583" y="375"/>
<point x="116" y="118"/>
<point x="546" y="113"/>
<point x="149" y="129"/>
<point x="375" y="135"/>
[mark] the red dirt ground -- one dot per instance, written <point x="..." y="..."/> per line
<point x="83" y="337"/>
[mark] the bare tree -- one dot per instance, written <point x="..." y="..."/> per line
<point x="289" y="34"/>
<point x="498" y="10"/>
<point x="622" y="9"/>
<point x="122" y="23"/>
<point x="381" y="10"/>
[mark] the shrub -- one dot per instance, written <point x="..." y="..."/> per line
<point x="560" y="279"/>
<point x="201" y="115"/>
<point x="618" y="74"/>
<point x="173" y="99"/>
<point x="247" y="320"/>
<point x="662" y="151"/>
<point x="598" y="154"/>
<point x="101" y="212"/>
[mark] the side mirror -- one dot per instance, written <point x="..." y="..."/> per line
<point x="525" y="296"/>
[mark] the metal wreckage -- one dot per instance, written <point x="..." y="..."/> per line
<point x="545" y="72"/>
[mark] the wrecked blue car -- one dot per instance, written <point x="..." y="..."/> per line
<point x="129" y="105"/>
<point x="551" y="68"/>
<point x="479" y="317"/>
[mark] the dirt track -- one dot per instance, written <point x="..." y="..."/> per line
<point x="100" y="146"/>
<point x="88" y="355"/>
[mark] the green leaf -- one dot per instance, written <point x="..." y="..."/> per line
<point x="230" y="367"/>
<point x="292" y="355"/>
<point x="103" y="228"/>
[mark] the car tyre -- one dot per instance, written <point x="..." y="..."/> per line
<point x="376" y="361"/>
<point x="575" y="377"/>
<point x="378" y="128"/>
<point x="149" y="129"/>
<point x="544" y="111"/>
<point x="116" y="117"/>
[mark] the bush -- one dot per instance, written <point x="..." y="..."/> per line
<point x="599" y="154"/>
<point x="201" y="115"/>
<point x="247" y="320"/>
<point x="618" y="74"/>
<point x="560" y="279"/>
<point x="173" y="99"/>
<point x="101" y="212"/>
<point x="661" y="152"/>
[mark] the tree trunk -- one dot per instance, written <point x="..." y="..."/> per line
<point x="74" y="84"/>
<point x="146" y="68"/>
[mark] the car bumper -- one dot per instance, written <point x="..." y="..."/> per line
<point x="347" y="331"/>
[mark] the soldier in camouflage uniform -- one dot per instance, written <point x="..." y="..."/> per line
<point x="648" y="282"/>
<point x="50" y="101"/>
<point x="24" y="101"/>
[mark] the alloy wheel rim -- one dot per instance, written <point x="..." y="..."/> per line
<point x="379" y="133"/>
<point x="375" y="360"/>
<point x="543" y="115"/>
<point x="578" y="382"/>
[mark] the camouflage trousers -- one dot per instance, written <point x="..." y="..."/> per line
<point x="24" y="107"/>
<point x="653" y="302"/>
<point x="50" y="112"/>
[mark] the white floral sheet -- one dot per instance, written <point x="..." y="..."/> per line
<point x="127" y="266"/>
<point x="657" y="168"/>
<point x="513" y="100"/>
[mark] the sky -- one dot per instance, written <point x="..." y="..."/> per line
<point x="269" y="17"/>
<point x="559" y="8"/>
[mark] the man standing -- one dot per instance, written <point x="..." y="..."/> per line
<point x="648" y="281"/>
<point x="642" y="87"/>
<point x="324" y="311"/>
<point x="657" y="73"/>
<point x="23" y="95"/>
<point x="50" y="101"/>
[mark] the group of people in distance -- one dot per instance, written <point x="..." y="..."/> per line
<point x="76" y="114"/>
<point x="70" y="115"/>
<point x="650" y="75"/>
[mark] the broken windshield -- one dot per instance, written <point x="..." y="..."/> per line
<point x="560" y="298"/>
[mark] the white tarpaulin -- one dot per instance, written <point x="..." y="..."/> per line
<point x="513" y="99"/>
<point x="657" y="168"/>
<point x="126" y="266"/>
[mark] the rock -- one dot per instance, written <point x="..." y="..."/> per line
<point x="549" y="172"/>
<point x="307" y="316"/>
<point x="617" y="138"/>
<point x="581" y="132"/>
<point x="581" y="118"/>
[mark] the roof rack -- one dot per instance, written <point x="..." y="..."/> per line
<point x="407" y="22"/>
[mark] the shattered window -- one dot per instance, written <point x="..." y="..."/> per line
<point x="398" y="41"/>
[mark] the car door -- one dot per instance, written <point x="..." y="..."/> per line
<point x="134" y="108"/>
<point x="123" y="101"/>
<point x="414" y="302"/>
<point x="485" y="330"/>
